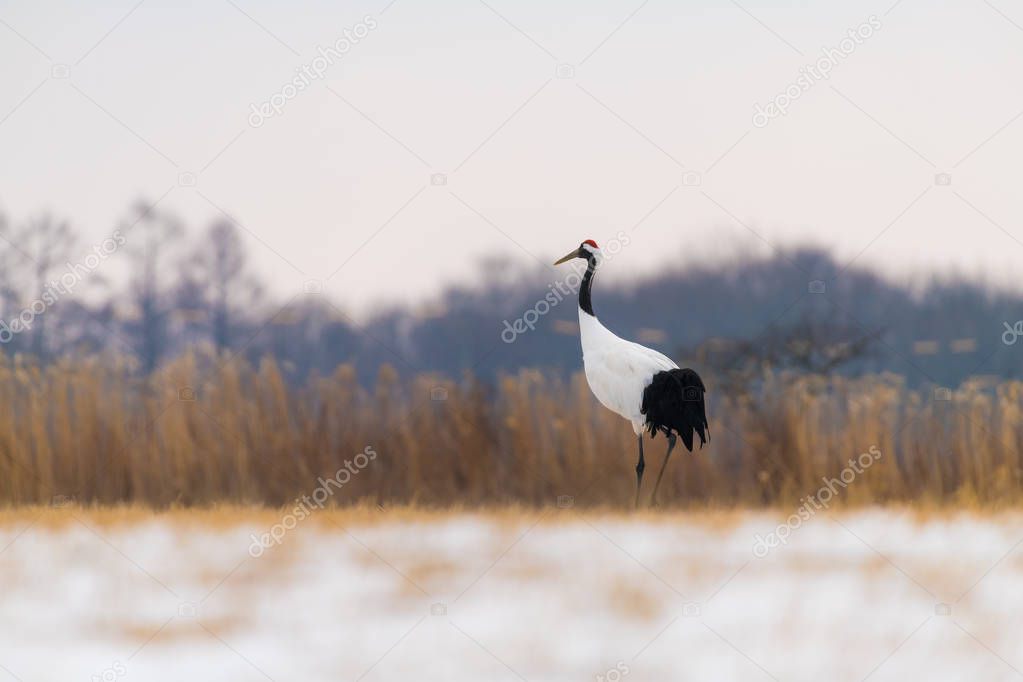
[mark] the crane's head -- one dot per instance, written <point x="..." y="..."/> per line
<point x="588" y="250"/>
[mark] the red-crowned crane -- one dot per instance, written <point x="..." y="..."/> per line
<point x="637" y="382"/>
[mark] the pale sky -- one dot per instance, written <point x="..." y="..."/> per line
<point x="647" y="127"/>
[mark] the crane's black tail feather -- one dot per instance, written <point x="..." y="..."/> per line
<point x="673" y="402"/>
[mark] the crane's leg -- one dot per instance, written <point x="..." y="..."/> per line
<point x="640" y="465"/>
<point x="671" y="446"/>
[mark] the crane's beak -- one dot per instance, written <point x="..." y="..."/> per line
<point x="567" y="257"/>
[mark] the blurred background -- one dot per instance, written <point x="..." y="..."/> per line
<point x="304" y="229"/>
<point x="388" y="182"/>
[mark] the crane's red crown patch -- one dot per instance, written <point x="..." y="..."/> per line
<point x="591" y="243"/>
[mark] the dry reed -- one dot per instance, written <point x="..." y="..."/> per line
<point x="203" y="432"/>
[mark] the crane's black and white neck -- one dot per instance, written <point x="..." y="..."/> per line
<point x="585" y="288"/>
<point x="640" y="384"/>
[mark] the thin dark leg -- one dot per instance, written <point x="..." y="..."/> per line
<point x="671" y="446"/>
<point x="640" y="465"/>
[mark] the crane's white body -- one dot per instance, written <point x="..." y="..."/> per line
<point x="618" y="370"/>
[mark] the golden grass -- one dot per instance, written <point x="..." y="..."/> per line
<point x="509" y="517"/>
<point x="202" y="433"/>
<point x="332" y="519"/>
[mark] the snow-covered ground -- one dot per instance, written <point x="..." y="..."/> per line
<point x="555" y="595"/>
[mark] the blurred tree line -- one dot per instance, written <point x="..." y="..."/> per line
<point x="797" y="310"/>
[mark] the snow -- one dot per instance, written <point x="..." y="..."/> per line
<point x="545" y="595"/>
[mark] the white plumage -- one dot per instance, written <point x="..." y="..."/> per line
<point x="618" y="370"/>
